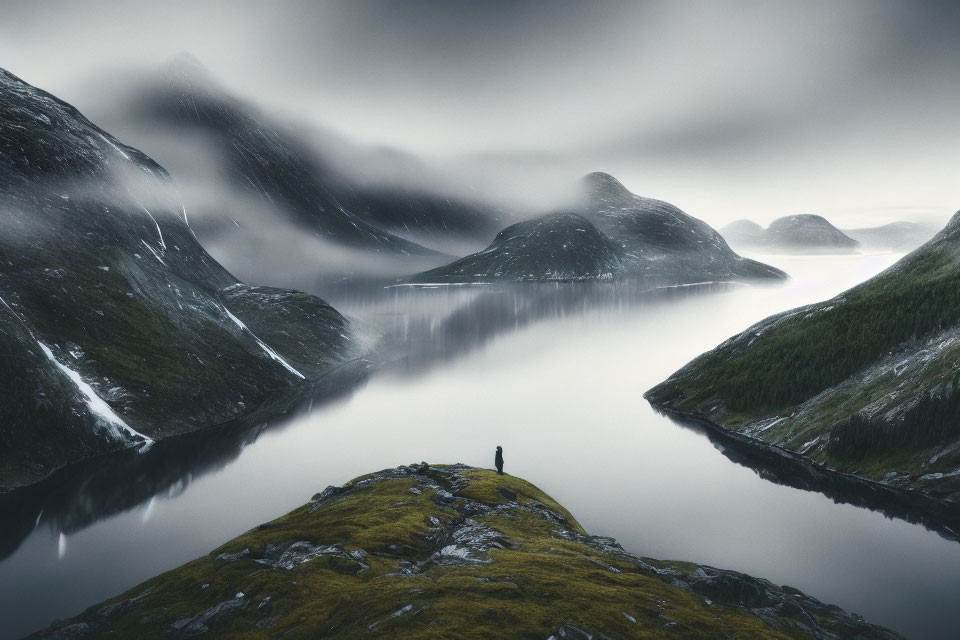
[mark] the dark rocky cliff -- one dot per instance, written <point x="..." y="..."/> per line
<point x="116" y="327"/>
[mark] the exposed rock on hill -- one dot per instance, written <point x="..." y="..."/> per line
<point x="433" y="551"/>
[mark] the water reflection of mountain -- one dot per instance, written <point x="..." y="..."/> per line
<point x="788" y="469"/>
<point x="475" y="315"/>
<point x="82" y="494"/>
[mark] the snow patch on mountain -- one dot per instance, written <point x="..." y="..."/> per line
<point x="116" y="426"/>
<point x="263" y="345"/>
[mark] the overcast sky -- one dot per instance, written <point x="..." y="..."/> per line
<point x="727" y="108"/>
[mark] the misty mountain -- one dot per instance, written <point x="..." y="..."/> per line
<point x="613" y="234"/>
<point x="266" y="181"/>
<point x="116" y="326"/>
<point x="559" y="246"/>
<point x="896" y="236"/>
<point x="866" y="382"/>
<point x="804" y="232"/>
<point x="660" y="240"/>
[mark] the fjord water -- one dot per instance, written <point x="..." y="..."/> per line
<point x="553" y="373"/>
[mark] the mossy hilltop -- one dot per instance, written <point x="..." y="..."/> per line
<point x="449" y="552"/>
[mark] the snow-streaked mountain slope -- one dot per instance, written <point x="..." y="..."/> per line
<point x="116" y="327"/>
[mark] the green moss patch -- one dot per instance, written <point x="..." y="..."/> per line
<point x="445" y="552"/>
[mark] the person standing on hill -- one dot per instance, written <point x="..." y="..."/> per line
<point x="498" y="460"/>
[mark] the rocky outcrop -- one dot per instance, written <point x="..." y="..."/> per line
<point x="423" y="551"/>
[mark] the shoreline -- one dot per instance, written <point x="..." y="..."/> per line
<point x="788" y="468"/>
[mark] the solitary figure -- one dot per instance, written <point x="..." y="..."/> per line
<point x="498" y="460"/>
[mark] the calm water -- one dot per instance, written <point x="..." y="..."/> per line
<point x="553" y="374"/>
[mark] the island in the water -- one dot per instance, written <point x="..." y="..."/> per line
<point x="609" y="233"/>
<point x="799" y="233"/>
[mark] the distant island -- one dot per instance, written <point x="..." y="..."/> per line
<point x="610" y="233"/>
<point x="802" y="233"/>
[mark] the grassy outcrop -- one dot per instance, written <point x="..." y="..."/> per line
<point x="448" y="552"/>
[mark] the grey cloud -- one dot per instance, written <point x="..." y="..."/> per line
<point x="725" y="105"/>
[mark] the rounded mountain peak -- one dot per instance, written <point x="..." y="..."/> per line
<point x="603" y="184"/>
<point x="801" y="218"/>
<point x="808" y="229"/>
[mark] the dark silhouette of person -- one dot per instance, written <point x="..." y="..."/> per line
<point x="498" y="460"/>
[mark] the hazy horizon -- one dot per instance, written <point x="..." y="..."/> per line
<point x="740" y="109"/>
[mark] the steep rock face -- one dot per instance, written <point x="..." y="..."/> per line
<point x="113" y="324"/>
<point x="866" y="382"/>
<point x="450" y="551"/>
<point x="658" y="239"/>
<point x="807" y="231"/>
<point x="560" y="246"/>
